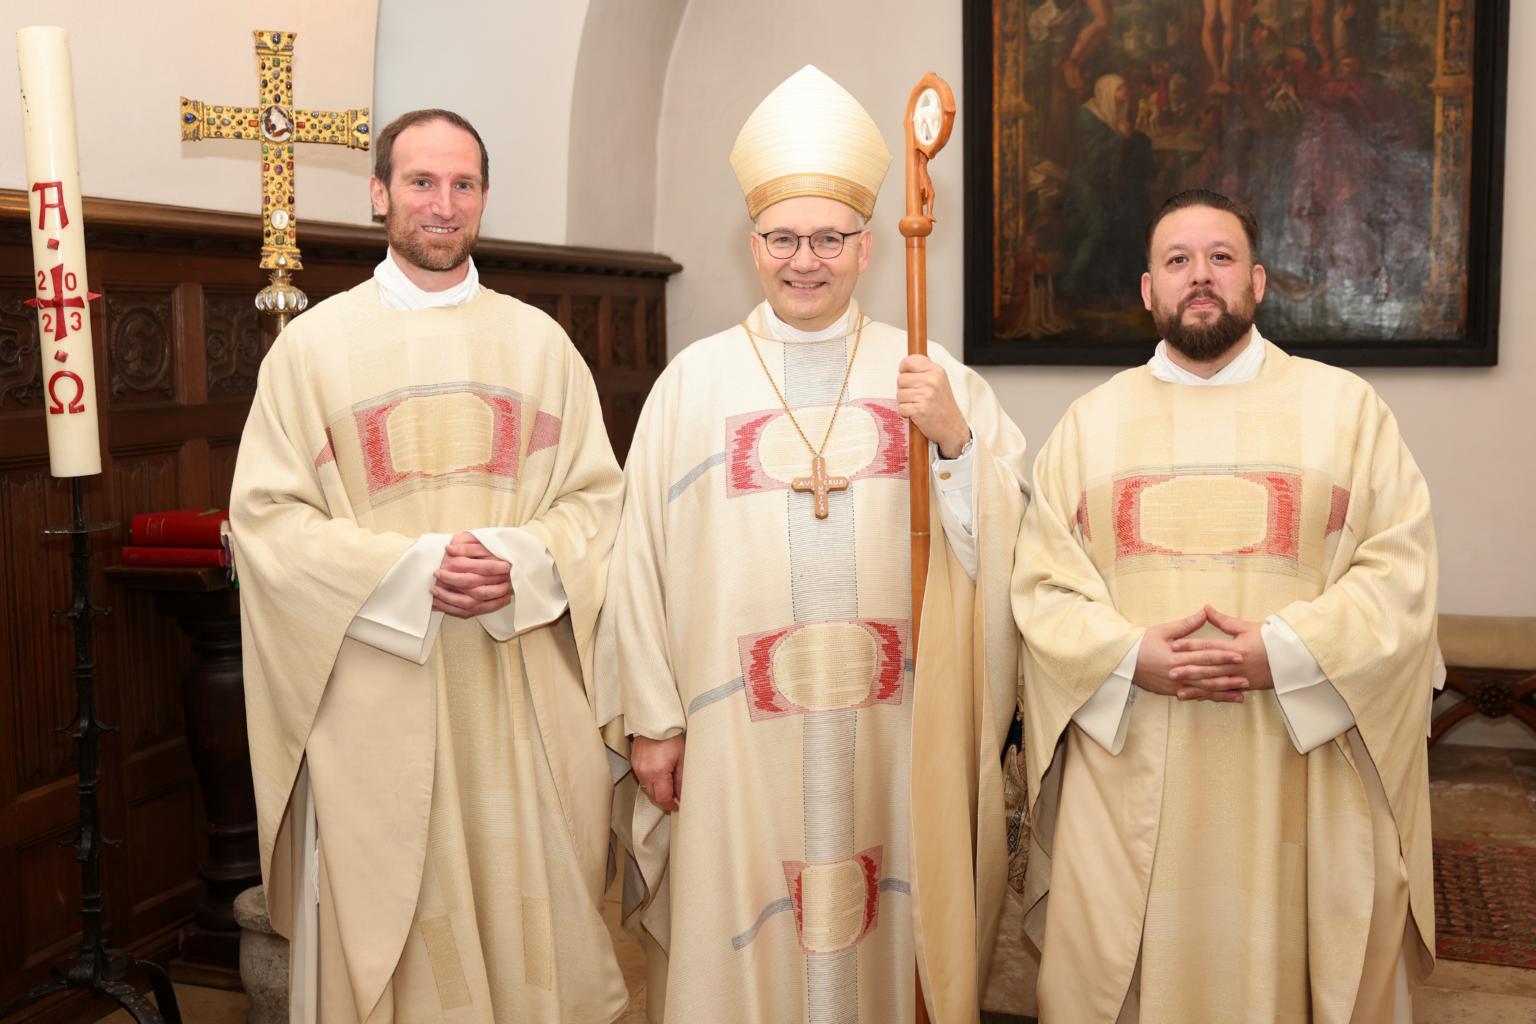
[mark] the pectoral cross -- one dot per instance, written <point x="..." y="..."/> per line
<point x="820" y="485"/>
<point x="278" y="125"/>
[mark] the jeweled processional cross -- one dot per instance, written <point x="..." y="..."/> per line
<point x="278" y="125"/>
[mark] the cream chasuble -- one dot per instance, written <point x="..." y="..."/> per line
<point x="1209" y="869"/>
<point x="783" y="889"/>
<point x="462" y="804"/>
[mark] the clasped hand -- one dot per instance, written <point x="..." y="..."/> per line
<point x="470" y="580"/>
<point x="1174" y="663"/>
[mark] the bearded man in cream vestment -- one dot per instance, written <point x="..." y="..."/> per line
<point x="765" y="629"/>
<point x="1226" y="586"/>
<point x="423" y="509"/>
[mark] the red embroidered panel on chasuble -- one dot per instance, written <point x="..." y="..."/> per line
<point x="1338" y="510"/>
<point x="438" y="435"/>
<point x="1222" y="513"/>
<point x="545" y="432"/>
<point x="837" y="904"/>
<point x="823" y="666"/>
<point x="328" y="453"/>
<point x="765" y="453"/>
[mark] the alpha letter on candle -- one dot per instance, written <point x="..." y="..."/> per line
<point x="57" y="188"/>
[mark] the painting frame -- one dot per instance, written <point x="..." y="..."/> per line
<point x="1475" y="343"/>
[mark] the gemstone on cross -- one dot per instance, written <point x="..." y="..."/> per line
<point x="820" y="485"/>
<point x="277" y="124"/>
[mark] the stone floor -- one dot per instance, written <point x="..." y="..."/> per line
<point x="1476" y="793"/>
<point x="631" y="961"/>
<point x="1480" y="793"/>
<point x="215" y="1006"/>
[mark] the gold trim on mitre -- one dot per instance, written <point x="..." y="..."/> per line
<point x="809" y="137"/>
<point x="779" y="189"/>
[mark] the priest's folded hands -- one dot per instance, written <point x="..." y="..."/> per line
<point x="470" y="581"/>
<point x="1175" y="663"/>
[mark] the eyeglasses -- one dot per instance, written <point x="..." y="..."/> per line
<point x="783" y="245"/>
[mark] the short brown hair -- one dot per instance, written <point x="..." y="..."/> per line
<point x="1216" y="201"/>
<point x="384" y="144"/>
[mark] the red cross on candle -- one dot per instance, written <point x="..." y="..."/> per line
<point x="60" y="301"/>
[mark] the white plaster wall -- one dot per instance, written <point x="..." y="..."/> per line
<point x="1472" y="430"/>
<point x="615" y="106"/>
<point x="132" y="64"/>
<point x="509" y="67"/>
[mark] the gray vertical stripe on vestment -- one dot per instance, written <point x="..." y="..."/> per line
<point x="824" y="585"/>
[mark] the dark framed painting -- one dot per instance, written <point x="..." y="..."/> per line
<point x="1367" y="135"/>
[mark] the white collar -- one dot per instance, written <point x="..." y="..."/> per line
<point x="396" y="291"/>
<point x="784" y="332"/>
<point x="1244" y="367"/>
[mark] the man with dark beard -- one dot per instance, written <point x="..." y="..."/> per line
<point x="1226" y="587"/>
<point x="423" y="510"/>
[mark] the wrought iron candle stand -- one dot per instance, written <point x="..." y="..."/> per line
<point x="96" y="968"/>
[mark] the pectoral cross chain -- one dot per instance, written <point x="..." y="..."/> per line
<point x="819" y="485"/>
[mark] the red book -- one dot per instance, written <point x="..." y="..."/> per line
<point x="216" y="558"/>
<point x="178" y="528"/>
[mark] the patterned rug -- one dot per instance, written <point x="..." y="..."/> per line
<point x="1485" y="902"/>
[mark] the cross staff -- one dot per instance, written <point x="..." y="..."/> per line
<point x="278" y="125"/>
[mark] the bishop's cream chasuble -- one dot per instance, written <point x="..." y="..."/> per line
<point x="783" y="889"/>
<point x="462" y="804"/>
<point x="1209" y="869"/>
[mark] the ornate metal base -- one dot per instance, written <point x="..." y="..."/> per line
<point x="95" y="968"/>
<point x="281" y="299"/>
<point x="109" y="980"/>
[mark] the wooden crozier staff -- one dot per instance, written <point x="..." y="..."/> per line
<point x="930" y="118"/>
